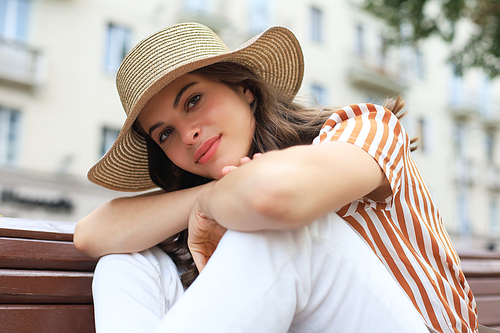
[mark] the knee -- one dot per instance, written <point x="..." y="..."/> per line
<point x="111" y="267"/>
<point x="112" y="263"/>
<point x="152" y="264"/>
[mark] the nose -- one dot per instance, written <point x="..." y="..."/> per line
<point x="190" y="135"/>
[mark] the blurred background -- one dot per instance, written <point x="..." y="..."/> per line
<point x="60" y="112"/>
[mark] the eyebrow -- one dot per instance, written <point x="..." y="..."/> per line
<point x="183" y="89"/>
<point x="154" y="127"/>
<point x="176" y="104"/>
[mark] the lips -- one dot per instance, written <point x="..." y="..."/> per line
<point x="207" y="149"/>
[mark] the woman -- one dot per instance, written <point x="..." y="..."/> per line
<point x="338" y="235"/>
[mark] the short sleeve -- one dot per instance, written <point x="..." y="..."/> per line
<point x="377" y="131"/>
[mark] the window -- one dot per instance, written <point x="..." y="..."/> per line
<point x="426" y="135"/>
<point x="316" y="24"/>
<point x="109" y="136"/>
<point x="198" y="6"/>
<point x="259" y="15"/>
<point x="490" y="146"/>
<point x="463" y="212"/>
<point x="318" y="93"/>
<point x="382" y="55"/>
<point x="360" y="40"/>
<point x="485" y="94"/>
<point x="460" y="140"/>
<point x="456" y="88"/>
<point x="117" y="47"/>
<point x="419" y="64"/>
<point x="493" y="217"/>
<point x="14" y="16"/>
<point x="9" y="136"/>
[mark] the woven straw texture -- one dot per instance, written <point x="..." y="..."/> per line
<point x="170" y="53"/>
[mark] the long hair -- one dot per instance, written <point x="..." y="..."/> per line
<point x="280" y="123"/>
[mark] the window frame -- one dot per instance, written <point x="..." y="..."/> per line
<point x="317" y="18"/>
<point x="108" y="137"/>
<point x="10" y="141"/>
<point x="14" y="22"/>
<point x="118" y="38"/>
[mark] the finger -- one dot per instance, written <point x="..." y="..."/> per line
<point x="245" y="160"/>
<point x="257" y="155"/>
<point x="199" y="260"/>
<point x="227" y="169"/>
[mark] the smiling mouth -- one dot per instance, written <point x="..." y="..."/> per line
<point x="207" y="149"/>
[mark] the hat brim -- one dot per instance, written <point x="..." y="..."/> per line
<point x="275" y="55"/>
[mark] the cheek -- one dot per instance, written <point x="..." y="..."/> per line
<point x="175" y="155"/>
<point x="251" y="127"/>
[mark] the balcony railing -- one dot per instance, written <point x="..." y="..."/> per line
<point x="380" y="74"/>
<point x="19" y="63"/>
<point x="465" y="171"/>
<point x="465" y="105"/>
<point x="493" y="177"/>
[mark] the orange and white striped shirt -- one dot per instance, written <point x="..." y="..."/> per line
<point x="405" y="231"/>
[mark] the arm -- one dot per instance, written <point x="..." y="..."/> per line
<point x="134" y="224"/>
<point x="293" y="187"/>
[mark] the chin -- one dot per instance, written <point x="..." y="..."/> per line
<point x="217" y="176"/>
<point x="213" y="176"/>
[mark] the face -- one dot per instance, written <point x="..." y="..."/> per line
<point x="201" y="125"/>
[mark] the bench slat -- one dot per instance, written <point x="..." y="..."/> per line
<point x="488" y="310"/>
<point x="481" y="267"/>
<point x="479" y="255"/>
<point x="45" y="287"/>
<point x="47" y="318"/>
<point x="484" y="286"/>
<point x="37" y="225"/>
<point x="43" y="254"/>
<point x="16" y="233"/>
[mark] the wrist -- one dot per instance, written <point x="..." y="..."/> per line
<point x="204" y="197"/>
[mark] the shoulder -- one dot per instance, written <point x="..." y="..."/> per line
<point x="359" y="119"/>
<point x="353" y="111"/>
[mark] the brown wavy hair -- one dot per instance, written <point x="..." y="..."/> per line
<point x="280" y="123"/>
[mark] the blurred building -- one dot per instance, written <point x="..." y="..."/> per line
<point x="59" y="109"/>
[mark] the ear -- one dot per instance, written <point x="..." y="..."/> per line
<point x="248" y="94"/>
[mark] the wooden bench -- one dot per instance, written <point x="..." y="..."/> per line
<point x="45" y="282"/>
<point x="482" y="270"/>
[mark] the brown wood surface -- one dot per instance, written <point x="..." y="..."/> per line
<point x="482" y="270"/>
<point x="43" y="254"/>
<point x="488" y="309"/>
<point x="46" y="319"/>
<point x="479" y="255"/>
<point x="485" y="286"/>
<point x="481" y="267"/>
<point x="29" y="234"/>
<point x="36" y="229"/>
<point x="45" y="287"/>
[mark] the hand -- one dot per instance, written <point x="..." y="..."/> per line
<point x="204" y="231"/>
<point x="244" y="160"/>
<point x="204" y="235"/>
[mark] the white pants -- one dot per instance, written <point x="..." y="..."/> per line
<point x="320" y="278"/>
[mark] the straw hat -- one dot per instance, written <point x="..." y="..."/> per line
<point x="170" y="53"/>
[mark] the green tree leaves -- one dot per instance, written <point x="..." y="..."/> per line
<point x="415" y="20"/>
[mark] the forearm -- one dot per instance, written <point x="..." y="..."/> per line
<point x="293" y="187"/>
<point x="134" y="224"/>
<point x="259" y="196"/>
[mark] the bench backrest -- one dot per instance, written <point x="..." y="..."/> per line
<point x="482" y="271"/>
<point x="45" y="282"/>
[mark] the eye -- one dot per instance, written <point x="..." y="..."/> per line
<point x="192" y="101"/>
<point x="164" y="135"/>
